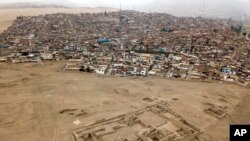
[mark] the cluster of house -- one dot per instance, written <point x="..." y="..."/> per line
<point x="130" y="43"/>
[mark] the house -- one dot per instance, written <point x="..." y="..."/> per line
<point x="3" y="59"/>
<point x="101" y="70"/>
<point x="226" y="70"/>
<point x="72" y="67"/>
<point x="4" y="46"/>
<point x="227" y="78"/>
<point x="47" y="56"/>
<point x="144" y="72"/>
<point x="133" y="71"/>
<point x="176" y="58"/>
<point x="169" y="74"/>
<point x="162" y="49"/>
<point x="152" y="72"/>
<point x="103" y="40"/>
<point x="195" y="74"/>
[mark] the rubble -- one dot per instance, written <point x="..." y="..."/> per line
<point x="155" y="122"/>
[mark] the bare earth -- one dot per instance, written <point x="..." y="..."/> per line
<point x="33" y="95"/>
<point x="7" y="16"/>
<point x="40" y="102"/>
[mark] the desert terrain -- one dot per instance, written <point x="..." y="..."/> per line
<point x="44" y="103"/>
<point x="41" y="102"/>
<point x="9" y="15"/>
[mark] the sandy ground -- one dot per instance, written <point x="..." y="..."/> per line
<point x="7" y="16"/>
<point x="32" y="96"/>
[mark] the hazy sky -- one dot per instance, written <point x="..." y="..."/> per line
<point x="116" y="3"/>
<point x="125" y="3"/>
<point x="89" y="2"/>
<point x="176" y="7"/>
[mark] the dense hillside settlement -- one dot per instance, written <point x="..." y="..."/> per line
<point x="129" y="43"/>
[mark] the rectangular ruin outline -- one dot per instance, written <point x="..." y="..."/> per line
<point x="178" y="121"/>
